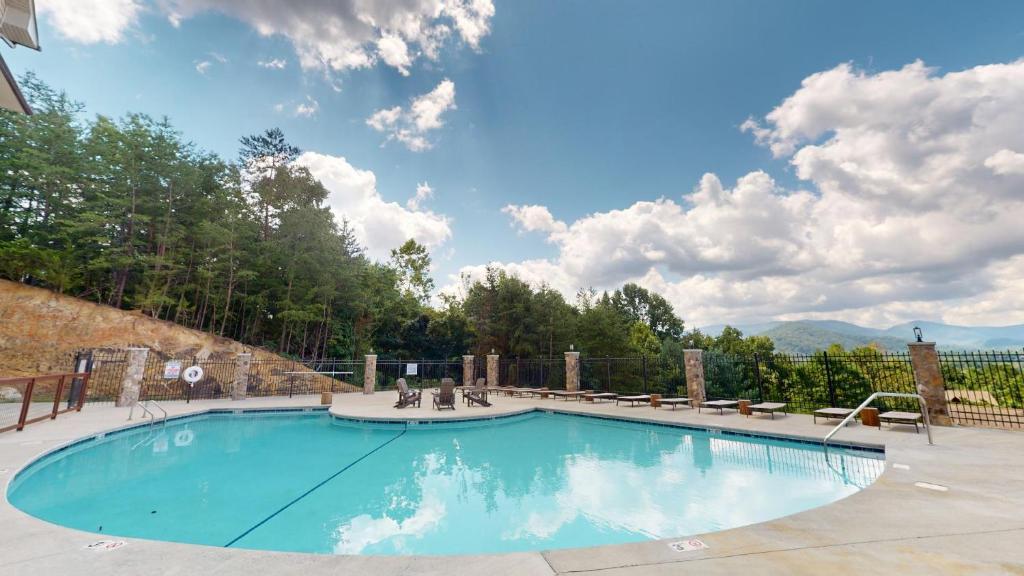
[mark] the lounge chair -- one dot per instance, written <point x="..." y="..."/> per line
<point x="595" y="396"/>
<point x="476" y="394"/>
<point x="445" y="398"/>
<point x="634" y="400"/>
<point x="830" y="413"/>
<point x="673" y="402"/>
<point x="895" y="417"/>
<point x="768" y="408"/>
<point x="719" y="405"/>
<point x="406" y="397"/>
<point x="566" y="394"/>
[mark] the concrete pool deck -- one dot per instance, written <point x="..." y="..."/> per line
<point x="975" y="526"/>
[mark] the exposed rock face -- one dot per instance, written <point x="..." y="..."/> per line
<point x="40" y="331"/>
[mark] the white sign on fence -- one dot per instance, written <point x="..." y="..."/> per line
<point x="410" y="369"/>
<point x="172" y="370"/>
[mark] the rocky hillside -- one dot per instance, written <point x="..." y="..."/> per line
<point x="40" y="331"/>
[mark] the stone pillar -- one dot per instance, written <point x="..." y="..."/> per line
<point x="131" y="382"/>
<point x="928" y="377"/>
<point x="240" y="385"/>
<point x="693" y="361"/>
<point x="492" y="369"/>
<point x="572" y="371"/>
<point x="370" y="374"/>
<point x="467" y="370"/>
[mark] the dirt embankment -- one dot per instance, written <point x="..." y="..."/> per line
<point x="40" y="331"/>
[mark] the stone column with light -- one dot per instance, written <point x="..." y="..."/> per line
<point x="572" y="371"/>
<point x="467" y="370"/>
<point x="240" y="384"/>
<point x="370" y="374"/>
<point x="492" y="369"/>
<point x="928" y="378"/>
<point x="693" y="362"/>
<point x="131" y="382"/>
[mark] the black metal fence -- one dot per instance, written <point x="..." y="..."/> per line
<point x="418" y="373"/>
<point x="532" y="373"/>
<point x="810" y="381"/>
<point x="106" y="368"/>
<point x="984" y="388"/>
<point x="281" y="377"/>
<point x="643" y="374"/>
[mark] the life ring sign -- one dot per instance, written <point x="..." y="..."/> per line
<point x="192" y="374"/>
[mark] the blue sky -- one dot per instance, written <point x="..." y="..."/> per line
<point x="580" y="107"/>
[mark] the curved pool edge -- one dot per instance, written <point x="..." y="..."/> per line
<point x="892" y="492"/>
<point x="861" y="446"/>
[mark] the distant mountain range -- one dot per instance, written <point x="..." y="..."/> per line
<point x="807" y="336"/>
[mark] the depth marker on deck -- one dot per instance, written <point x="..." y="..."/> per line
<point x="691" y="545"/>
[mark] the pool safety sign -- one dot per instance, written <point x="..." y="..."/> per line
<point x="172" y="370"/>
<point x="691" y="545"/>
<point x="411" y="369"/>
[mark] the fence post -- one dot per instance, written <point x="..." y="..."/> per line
<point x="56" y="397"/>
<point x="645" y="374"/>
<point x="757" y="378"/>
<point x="25" y="402"/>
<point x="828" y="380"/>
<point x="131" y="383"/>
<point x="572" y="371"/>
<point x="492" y="369"/>
<point x="928" y="378"/>
<point x="467" y="369"/>
<point x="370" y="374"/>
<point x="240" y="385"/>
<point x="693" y="363"/>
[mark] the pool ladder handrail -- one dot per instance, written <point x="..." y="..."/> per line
<point x="152" y="416"/>
<point x="852" y="415"/>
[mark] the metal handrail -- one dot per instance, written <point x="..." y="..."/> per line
<point x="852" y="415"/>
<point x="146" y="410"/>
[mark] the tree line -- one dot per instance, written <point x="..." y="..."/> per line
<point x="127" y="212"/>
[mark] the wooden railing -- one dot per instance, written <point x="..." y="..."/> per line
<point x="43" y="387"/>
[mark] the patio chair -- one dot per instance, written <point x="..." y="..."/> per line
<point x="445" y="398"/>
<point x="476" y="394"/>
<point x="634" y="400"/>
<point x="897" y="417"/>
<point x="768" y="408"/>
<point x="406" y="397"/>
<point x="673" y="402"/>
<point x="596" y="396"/>
<point x="719" y="405"/>
<point x="566" y="395"/>
<point x="831" y="412"/>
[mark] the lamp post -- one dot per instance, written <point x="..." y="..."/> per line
<point x="918" y="335"/>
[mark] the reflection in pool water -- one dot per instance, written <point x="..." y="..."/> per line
<point x="315" y="484"/>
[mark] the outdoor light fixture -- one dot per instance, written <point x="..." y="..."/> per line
<point x="571" y="348"/>
<point x="917" y="334"/>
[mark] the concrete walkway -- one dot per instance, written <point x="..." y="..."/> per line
<point x="974" y="526"/>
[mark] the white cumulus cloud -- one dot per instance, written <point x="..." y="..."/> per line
<point x="273" y="63"/>
<point x="912" y="208"/>
<point x="350" y="34"/>
<point x="379" y="225"/>
<point x="91" y="21"/>
<point x="411" y="125"/>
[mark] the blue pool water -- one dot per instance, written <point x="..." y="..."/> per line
<point x="307" y="482"/>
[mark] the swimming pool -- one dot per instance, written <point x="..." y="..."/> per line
<point x="309" y="482"/>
